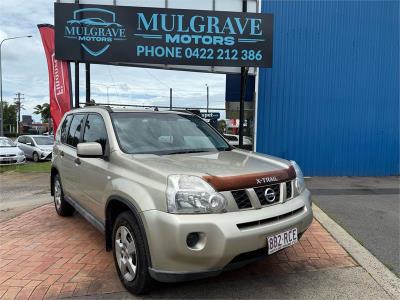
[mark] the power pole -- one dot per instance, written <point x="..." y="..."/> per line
<point x="208" y="96"/>
<point x="170" y="99"/>
<point x="244" y="71"/>
<point x="18" y="103"/>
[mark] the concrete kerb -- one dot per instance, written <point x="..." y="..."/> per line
<point x="378" y="271"/>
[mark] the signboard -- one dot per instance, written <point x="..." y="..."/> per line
<point x="210" y="115"/>
<point x="232" y="89"/>
<point x="126" y="35"/>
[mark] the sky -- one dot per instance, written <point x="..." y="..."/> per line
<point x="24" y="69"/>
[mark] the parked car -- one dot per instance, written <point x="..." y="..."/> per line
<point x="10" y="153"/>
<point x="234" y="140"/>
<point x="36" y="147"/>
<point x="175" y="201"/>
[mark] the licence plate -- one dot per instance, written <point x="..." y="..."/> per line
<point x="281" y="240"/>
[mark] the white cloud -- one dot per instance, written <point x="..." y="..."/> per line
<point x="25" y="68"/>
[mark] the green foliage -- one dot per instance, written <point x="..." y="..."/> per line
<point x="40" y="167"/>
<point x="10" y="114"/>
<point x="44" y="111"/>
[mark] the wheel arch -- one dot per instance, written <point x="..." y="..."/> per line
<point x="114" y="206"/>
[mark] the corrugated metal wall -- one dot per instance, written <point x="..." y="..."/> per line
<point x="331" y="99"/>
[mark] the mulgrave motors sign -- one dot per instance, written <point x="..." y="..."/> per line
<point x="95" y="31"/>
<point x="116" y="34"/>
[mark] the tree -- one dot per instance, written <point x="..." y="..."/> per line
<point x="44" y="111"/>
<point x="10" y="115"/>
<point x="222" y="126"/>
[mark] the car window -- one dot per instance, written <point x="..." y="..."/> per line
<point x="163" y="134"/>
<point x="95" y="130"/>
<point x="64" y="128"/>
<point x="5" y="142"/>
<point x="29" y="140"/>
<point x="74" y="132"/>
<point x="22" y="140"/>
<point x="43" y="140"/>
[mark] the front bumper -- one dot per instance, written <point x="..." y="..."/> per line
<point x="222" y="242"/>
<point x="12" y="160"/>
<point x="45" y="155"/>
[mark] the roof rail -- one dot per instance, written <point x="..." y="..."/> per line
<point x="188" y="111"/>
<point x="106" y="107"/>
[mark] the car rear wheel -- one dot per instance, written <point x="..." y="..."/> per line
<point x="63" y="208"/>
<point x="35" y="157"/>
<point x="130" y="255"/>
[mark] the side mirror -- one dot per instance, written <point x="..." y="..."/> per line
<point x="29" y="143"/>
<point x="89" y="150"/>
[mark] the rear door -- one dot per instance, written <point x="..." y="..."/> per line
<point x="60" y="145"/>
<point x="70" y="168"/>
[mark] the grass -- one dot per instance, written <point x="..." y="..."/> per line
<point x="40" y="167"/>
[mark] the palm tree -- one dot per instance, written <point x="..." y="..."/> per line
<point x="43" y="110"/>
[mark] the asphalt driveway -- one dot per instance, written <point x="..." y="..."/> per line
<point x="21" y="192"/>
<point x="368" y="208"/>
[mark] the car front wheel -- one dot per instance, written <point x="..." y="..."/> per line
<point x="130" y="255"/>
<point x="35" y="157"/>
<point x="63" y="208"/>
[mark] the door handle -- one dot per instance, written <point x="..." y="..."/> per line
<point x="77" y="161"/>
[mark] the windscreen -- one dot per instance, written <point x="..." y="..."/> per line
<point x="163" y="133"/>
<point x="6" y="143"/>
<point x="43" y="140"/>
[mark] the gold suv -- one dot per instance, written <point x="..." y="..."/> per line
<point x="174" y="200"/>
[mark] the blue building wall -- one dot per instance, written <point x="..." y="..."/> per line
<point x="331" y="99"/>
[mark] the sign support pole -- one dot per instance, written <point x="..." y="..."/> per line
<point x="170" y="98"/>
<point x="76" y="77"/>
<point x="87" y="72"/>
<point x="243" y="82"/>
<point x="76" y="84"/>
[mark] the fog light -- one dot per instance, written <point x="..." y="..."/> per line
<point x="192" y="239"/>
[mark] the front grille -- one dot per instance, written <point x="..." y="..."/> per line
<point x="242" y="199"/>
<point x="293" y="213"/>
<point x="8" y="155"/>
<point x="288" y="190"/>
<point x="5" y="162"/>
<point x="260" y="191"/>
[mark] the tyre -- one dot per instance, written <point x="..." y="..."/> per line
<point x="35" y="157"/>
<point x="63" y="208"/>
<point x="130" y="256"/>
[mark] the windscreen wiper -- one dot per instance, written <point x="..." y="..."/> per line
<point x="186" y="152"/>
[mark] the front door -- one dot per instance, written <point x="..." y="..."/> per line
<point x="94" y="171"/>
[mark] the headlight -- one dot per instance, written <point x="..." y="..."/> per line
<point x="299" y="182"/>
<point x="190" y="194"/>
<point x="21" y="153"/>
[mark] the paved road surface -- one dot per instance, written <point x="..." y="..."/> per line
<point x="20" y="192"/>
<point x="368" y="208"/>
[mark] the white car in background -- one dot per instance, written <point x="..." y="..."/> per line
<point x="36" y="147"/>
<point x="10" y="153"/>
<point x="233" y="140"/>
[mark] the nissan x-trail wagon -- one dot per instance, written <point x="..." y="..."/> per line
<point x="174" y="200"/>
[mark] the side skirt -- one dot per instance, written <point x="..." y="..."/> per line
<point x="84" y="213"/>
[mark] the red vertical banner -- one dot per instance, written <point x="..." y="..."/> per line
<point x="59" y="77"/>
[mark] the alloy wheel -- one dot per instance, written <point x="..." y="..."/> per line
<point x="125" y="252"/>
<point x="57" y="194"/>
